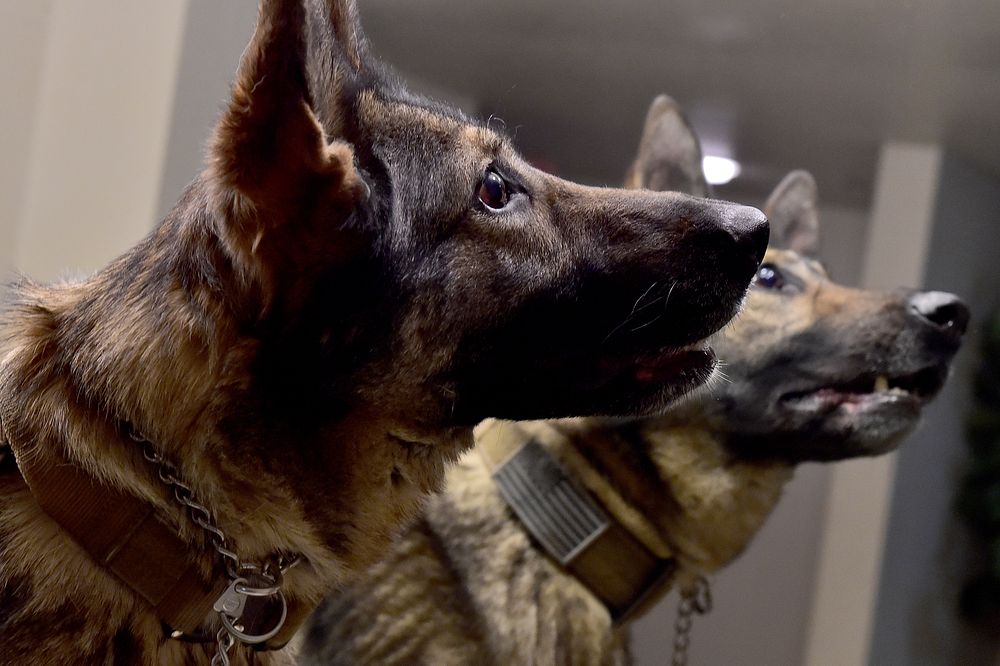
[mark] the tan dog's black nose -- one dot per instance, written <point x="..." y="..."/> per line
<point x="942" y="310"/>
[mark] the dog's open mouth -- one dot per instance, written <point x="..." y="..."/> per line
<point x="652" y="381"/>
<point x="685" y="365"/>
<point x="618" y="383"/>
<point x="871" y="390"/>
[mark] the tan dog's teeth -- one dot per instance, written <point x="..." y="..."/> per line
<point x="881" y="384"/>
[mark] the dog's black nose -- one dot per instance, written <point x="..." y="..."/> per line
<point x="748" y="227"/>
<point x="945" y="311"/>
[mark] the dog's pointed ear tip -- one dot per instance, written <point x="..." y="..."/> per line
<point x="663" y="102"/>
<point x="798" y="189"/>
<point x="663" y="107"/>
<point x="800" y="179"/>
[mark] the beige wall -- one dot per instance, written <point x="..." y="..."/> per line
<point x="95" y="82"/>
<point x="927" y="551"/>
<point x="22" y="47"/>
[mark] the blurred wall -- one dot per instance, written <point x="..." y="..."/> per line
<point x="214" y="35"/>
<point x="922" y="565"/>
<point x="89" y="134"/>
<point x="22" y="47"/>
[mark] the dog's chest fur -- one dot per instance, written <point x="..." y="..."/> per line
<point x="721" y="502"/>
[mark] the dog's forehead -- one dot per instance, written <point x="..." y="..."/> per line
<point x="400" y="118"/>
<point x="792" y="260"/>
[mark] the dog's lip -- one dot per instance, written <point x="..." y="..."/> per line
<point x="673" y="364"/>
<point x="916" y="387"/>
<point x="828" y="400"/>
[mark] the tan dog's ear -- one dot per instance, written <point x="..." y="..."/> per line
<point x="669" y="157"/>
<point x="269" y="151"/>
<point x="793" y="212"/>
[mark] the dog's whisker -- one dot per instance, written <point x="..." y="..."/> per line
<point x="666" y="300"/>
<point x="493" y="116"/>
<point x="648" y="305"/>
<point x="648" y="323"/>
<point x="632" y="312"/>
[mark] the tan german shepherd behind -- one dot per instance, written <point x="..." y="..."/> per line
<point x="359" y="276"/>
<point x="814" y="371"/>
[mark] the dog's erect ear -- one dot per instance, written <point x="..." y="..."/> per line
<point x="793" y="212"/>
<point x="270" y="151"/>
<point x="669" y="156"/>
<point x="337" y="54"/>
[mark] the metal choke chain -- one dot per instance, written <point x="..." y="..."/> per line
<point x="247" y="580"/>
<point x="694" y="599"/>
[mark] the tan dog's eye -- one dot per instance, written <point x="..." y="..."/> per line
<point x="769" y="277"/>
<point x="492" y="191"/>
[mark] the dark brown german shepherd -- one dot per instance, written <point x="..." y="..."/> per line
<point x="814" y="371"/>
<point x="358" y="277"/>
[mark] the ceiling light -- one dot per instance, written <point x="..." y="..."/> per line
<point x="719" y="170"/>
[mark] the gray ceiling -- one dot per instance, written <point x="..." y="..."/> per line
<point x="781" y="83"/>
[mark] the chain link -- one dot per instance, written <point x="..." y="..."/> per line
<point x="198" y="513"/>
<point x="697" y="598"/>
<point x="272" y="571"/>
<point x="224" y="643"/>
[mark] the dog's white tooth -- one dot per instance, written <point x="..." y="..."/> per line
<point x="881" y="384"/>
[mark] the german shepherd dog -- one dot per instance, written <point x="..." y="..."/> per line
<point x="815" y="371"/>
<point x="359" y="276"/>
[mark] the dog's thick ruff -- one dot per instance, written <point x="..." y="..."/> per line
<point x="312" y="332"/>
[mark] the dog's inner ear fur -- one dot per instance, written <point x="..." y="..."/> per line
<point x="793" y="212"/>
<point x="337" y="53"/>
<point x="669" y="157"/>
<point x="270" y="156"/>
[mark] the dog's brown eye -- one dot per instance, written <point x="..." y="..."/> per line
<point x="493" y="191"/>
<point x="769" y="277"/>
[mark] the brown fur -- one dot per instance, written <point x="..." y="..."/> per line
<point x="468" y="585"/>
<point x="305" y="334"/>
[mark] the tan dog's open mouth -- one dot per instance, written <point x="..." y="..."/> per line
<point x="872" y="391"/>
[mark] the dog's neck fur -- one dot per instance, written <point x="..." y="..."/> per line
<point x="673" y="483"/>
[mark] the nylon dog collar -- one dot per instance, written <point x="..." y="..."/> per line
<point x="569" y="524"/>
<point x="124" y="535"/>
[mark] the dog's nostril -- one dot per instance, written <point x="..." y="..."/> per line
<point x="954" y="317"/>
<point x="946" y="311"/>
